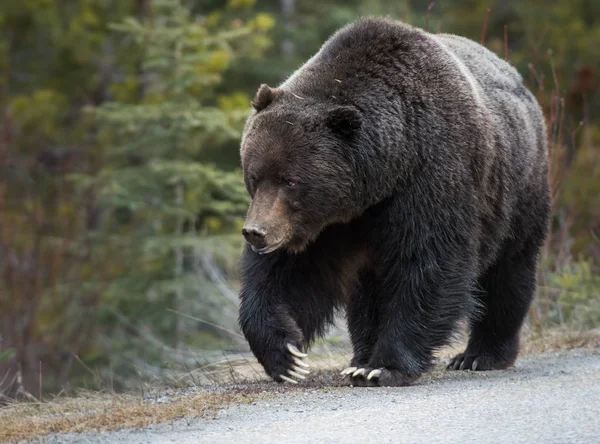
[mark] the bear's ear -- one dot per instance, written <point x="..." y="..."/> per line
<point x="264" y="97"/>
<point x="344" y="120"/>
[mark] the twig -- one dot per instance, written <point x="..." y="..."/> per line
<point x="112" y="376"/>
<point x="554" y="76"/>
<point x="506" y="42"/>
<point x="215" y="275"/>
<point x="84" y="366"/>
<point x="540" y="81"/>
<point x="40" y="378"/>
<point x="206" y="322"/>
<point x="485" y="25"/>
<point x="574" y="133"/>
<point x="232" y="371"/>
<point x="429" y="6"/>
<point x="21" y="388"/>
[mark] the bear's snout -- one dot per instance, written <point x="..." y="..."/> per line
<point x="267" y="226"/>
<point x="255" y="235"/>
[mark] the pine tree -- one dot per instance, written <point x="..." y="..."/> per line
<point x="172" y="215"/>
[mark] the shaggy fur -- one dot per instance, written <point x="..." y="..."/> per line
<point x="402" y="176"/>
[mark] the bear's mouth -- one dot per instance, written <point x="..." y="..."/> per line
<point x="267" y="249"/>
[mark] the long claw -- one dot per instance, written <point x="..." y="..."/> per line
<point x="374" y="374"/>
<point x="301" y="363"/>
<point x="285" y="378"/>
<point x="296" y="375"/>
<point x="360" y="371"/>
<point x="475" y="364"/>
<point x="300" y="370"/>
<point x="294" y="350"/>
<point x="348" y="370"/>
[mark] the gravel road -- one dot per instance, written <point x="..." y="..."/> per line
<point x="547" y="398"/>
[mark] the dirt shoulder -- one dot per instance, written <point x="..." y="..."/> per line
<point x="549" y="398"/>
<point x="72" y="419"/>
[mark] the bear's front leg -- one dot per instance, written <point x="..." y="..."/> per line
<point x="284" y="305"/>
<point x="420" y="306"/>
<point x="363" y="321"/>
<point x="273" y="335"/>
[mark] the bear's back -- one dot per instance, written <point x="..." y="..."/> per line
<point x="518" y="119"/>
<point x="486" y="67"/>
<point x="379" y="61"/>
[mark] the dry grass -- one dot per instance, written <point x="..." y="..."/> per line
<point x="103" y="412"/>
<point x="559" y="338"/>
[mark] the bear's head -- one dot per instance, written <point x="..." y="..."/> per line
<point x="300" y="168"/>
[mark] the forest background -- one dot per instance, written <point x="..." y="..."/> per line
<point x="121" y="197"/>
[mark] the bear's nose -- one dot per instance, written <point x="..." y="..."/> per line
<point x="255" y="235"/>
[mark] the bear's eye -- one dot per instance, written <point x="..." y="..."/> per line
<point x="288" y="183"/>
<point x="252" y="183"/>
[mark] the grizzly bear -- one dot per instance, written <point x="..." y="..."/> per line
<point x="401" y="176"/>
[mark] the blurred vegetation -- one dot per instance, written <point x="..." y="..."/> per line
<point x="121" y="197"/>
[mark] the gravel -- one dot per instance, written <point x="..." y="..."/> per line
<point x="547" y="398"/>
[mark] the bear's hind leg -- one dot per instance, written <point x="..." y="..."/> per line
<point x="509" y="287"/>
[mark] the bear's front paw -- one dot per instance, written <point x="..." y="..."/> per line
<point x="378" y="377"/>
<point x="287" y="365"/>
